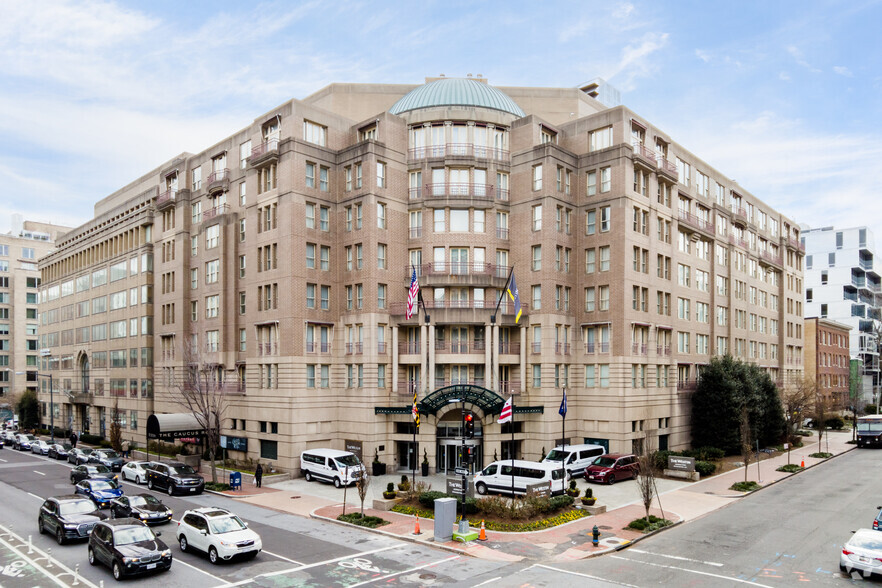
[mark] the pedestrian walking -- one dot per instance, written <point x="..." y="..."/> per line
<point x="125" y="449"/>
<point x="73" y="439"/>
<point x="258" y="475"/>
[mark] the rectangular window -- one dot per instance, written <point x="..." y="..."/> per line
<point x="381" y="175"/>
<point x="605" y="213"/>
<point x="315" y="133"/>
<point x="605" y="179"/>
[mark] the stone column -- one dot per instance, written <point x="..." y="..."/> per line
<point x="495" y="360"/>
<point x="431" y="343"/>
<point x="489" y="350"/>
<point x="423" y="372"/>
<point x="523" y="366"/>
<point x="395" y="359"/>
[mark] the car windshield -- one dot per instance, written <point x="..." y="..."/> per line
<point x="104" y="485"/>
<point x="99" y="469"/>
<point x="556" y="455"/>
<point x="143" y="500"/>
<point x="869" y="427"/>
<point x="85" y="451"/>
<point x="348" y="460"/>
<point x="182" y="470"/>
<point x="76" y="507"/>
<point x="226" y="525"/>
<point x="132" y="535"/>
<point x="30" y="437"/>
<point x="110" y="454"/>
<point x="868" y="541"/>
<point x="605" y="462"/>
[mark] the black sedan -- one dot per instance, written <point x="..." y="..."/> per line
<point x="77" y="455"/>
<point x="128" y="547"/>
<point x="57" y="451"/>
<point x="86" y="471"/>
<point x="141" y="506"/>
<point x="68" y="517"/>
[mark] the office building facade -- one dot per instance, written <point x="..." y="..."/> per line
<point x="281" y="258"/>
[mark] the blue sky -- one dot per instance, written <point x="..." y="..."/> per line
<point x="781" y="95"/>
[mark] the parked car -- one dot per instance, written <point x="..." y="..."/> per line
<point x="135" y="471"/>
<point x="877" y="522"/>
<point x="173" y="476"/>
<point x="219" y="533"/>
<point x="100" y="491"/>
<point x="9" y="436"/>
<point x="86" y="471"/>
<point x="108" y="458"/>
<point x="68" y="517"/>
<point x="128" y="547"/>
<point x="57" y="451"/>
<point x="862" y="552"/>
<point x="78" y="455"/>
<point x="331" y="465"/>
<point x="23" y="442"/>
<point x="145" y="507"/>
<point x="612" y="467"/>
<point x="39" y="447"/>
<point x="576" y="457"/>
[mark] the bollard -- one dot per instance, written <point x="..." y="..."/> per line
<point x="30" y="546"/>
<point x="76" y="581"/>
<point x="101" y="584"/>
<point x="48" y="557"/>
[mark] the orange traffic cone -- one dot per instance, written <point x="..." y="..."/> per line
<point x="802" y="463"/>
<point x="483" y="535"/>
<point x="416" y="529"/>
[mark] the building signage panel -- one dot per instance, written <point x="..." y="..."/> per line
<point x="355" y="447"/>
<point x="681" y="464"/>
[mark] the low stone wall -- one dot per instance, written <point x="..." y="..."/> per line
<point x="694" y="476"/>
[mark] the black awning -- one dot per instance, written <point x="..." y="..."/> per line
<point x="173" y="426"/>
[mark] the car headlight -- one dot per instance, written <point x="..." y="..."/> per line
<point x="143" y="515"/>
<point x="166" y="553"/>
<point x="67" y="526"/>
<point x="227" y="543"/>
<point x="177" y="480"/>
<point x="131" y="560"/>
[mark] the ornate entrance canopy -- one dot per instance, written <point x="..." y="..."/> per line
<point x="487" y="400"/>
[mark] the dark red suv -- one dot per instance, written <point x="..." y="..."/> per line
<point x="611" y="468"/>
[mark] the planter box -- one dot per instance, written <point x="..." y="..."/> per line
<point x="596" y="509"/>
<point x="378" y="468"/>
<point x="385" y="504"/>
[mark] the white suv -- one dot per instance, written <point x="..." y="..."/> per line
<point x="217" y="532"/>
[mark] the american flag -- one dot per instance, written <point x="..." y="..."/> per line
<point x="505" y="415"/>
<point x="412" y="295"/>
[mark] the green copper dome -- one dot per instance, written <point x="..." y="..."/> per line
<point x="456" y="92"/>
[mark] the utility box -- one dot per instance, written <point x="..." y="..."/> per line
<point x="445" y="516"/>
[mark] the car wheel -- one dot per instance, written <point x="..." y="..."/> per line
<point x="117" y="571"/>
<point x="337" y="483"/>
<point x="92" y="560"/>
<point x="183" y="541"/>
<point x="139" y="480"/>
<point x="170" y="489"/>
<point x="481" y="488"/>
<point x="212" y="555"/>
<point x="40" y="525"/>
<point x="308" y="476"/>
<point x="150" y="484"/>
<point x="59" y="536"/>
<point x="842" y="568"/>
<point x="72" y="481"/>
<point x="612" y="479"/>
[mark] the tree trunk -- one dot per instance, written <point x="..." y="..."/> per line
<point x="213" y="466"/>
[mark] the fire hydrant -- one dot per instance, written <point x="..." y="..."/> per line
<point x="595" y="536"/>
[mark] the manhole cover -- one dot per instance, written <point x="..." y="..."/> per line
<point x="427" y="576"/>
<point x="604" y="527"/>
<point x="294" y="497"/>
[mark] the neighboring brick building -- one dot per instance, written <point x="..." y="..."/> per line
<point x="284" y="253"/>
<point x="827" y="358"/>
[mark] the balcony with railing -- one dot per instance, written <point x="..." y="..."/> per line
<point x="409" y="347"/>
<point x="458" y="150"/>
<point x="265" y="349"/>
<point x="501" y="233"/>
<point x="509" y="348"/>
<point x="639" y="348"/>
<point x="738" y="242"/>
<point x="767" y="258"/>
<point x="264" y="152"/>
<point x="739" y="216"/>
<point x="218" y="181"/>
<point x="407" y="387"/>
<point x="535" y="347"/>
<point x="316" y="347"/>
<point x="695" y="222"/>
<point x="416" y="232"/>
<point x="166" y="199"/>
<point x="562" y="348"/>
<point x="509" y="387"/>
<point x="381" y="347"/>
<point x="456" y="191"/>
<point x="687" y="385"/>
<point x="667" y="169"/>
<point x="215" y="212"/>
<point x="462" y="310"/>
<point x="663" y="350"/>
<point x="795" y="244"/>
<point x="593" y="347"/>
<point x="354" y="348"/>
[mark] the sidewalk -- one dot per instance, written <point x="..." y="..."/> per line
<point x="680" y="502"/>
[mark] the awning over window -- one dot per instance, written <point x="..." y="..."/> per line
<point x="173" y="426"/>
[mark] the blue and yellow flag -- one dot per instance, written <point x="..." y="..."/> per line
<point x="515" y="296"/>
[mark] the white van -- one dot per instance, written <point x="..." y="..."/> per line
<point x="331" y="465"/>
<point x="497" y="477"/>
<point x="575" y="457"/>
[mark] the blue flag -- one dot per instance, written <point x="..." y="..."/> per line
<point x="563" y="405"/>
<point x="515" y="297"/>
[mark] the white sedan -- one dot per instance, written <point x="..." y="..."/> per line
<point x="862" y="553"/>
<point x="40" y="447"/>
<point x="135" y="471"/>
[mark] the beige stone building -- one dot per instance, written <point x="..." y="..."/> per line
<point x="20" y="249"/>
<point x="282" y="256"/>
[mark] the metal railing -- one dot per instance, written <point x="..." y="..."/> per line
<point x="457" y="268"/>
<point x="265" y="147"/>
<point x="638" y="348"/>
<point x="167" y="196"/>
<point x="509" y="348"/>
<point x="216" y="211"/>
<point x="408" y="347"/>
<point x="354" y="348"/>
<point x="457" y="189"/>
<point x="696" y="221"/>
<point x="458" y="150"/>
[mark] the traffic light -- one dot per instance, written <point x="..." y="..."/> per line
<point x="469" y="426"/>
<point x="470" y="454"/>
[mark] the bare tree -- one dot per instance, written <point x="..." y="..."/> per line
<point x="203" y="393"/>
<point x="821" y="410"/>
<point x="798" y="398"/>
<point x="646" y="471"/>
<point x="746" y="446"/>
<point x="115" y="428"/>
<point x="362" y="484"/>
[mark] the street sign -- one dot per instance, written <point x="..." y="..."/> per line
<point x="461" y="471"/>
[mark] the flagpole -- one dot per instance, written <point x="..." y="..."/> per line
<point x="501" y="295"/>
<point x="563" y="439"/>
<point x="512" y="448"/>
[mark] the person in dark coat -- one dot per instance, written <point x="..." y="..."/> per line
<point x="258" y="475"/>
<point x="73" y="439"/>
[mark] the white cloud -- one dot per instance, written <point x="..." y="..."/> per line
<point x="623" y="11"/>
<point x="703" y="55"/>
<point x="636" y="61"/>
<point x="784" y="76"/>
<point x="797" y="55"/>
<point x="843" y="71"/>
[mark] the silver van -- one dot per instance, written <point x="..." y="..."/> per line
<point x="331" y="465"/>
<point x="575" y="457"/>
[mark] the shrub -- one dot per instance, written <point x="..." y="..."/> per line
<point x="660" y="458"/>
<point x="870" y="409"/>
<point x="705" y="468"/>
<point x="91" y="439"/>
<point x="745" y="486"/>
<point x="363" y="521"/>
<point x="390" y="487"/>
<point x="713" y="453"/>
<point x="835" y="423"/>
<point x="427" y="499"/>
<point x="790" y="468"/>
<point x="638" y="524"/>
<point x="821" y="455"/>
<point x="217" y="487"/>
<point x="589" y="493"/>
